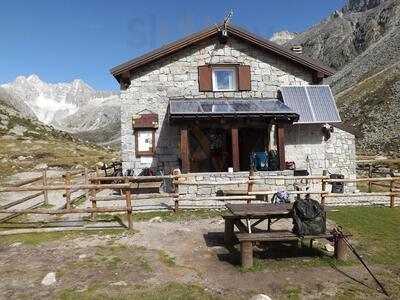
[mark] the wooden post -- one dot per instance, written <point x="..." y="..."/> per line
<point x="323" y="187"/>
<point x="67" y="181"/>
<point x="340" y="248"/>
<point x="246" y="250"/>
<point x="250" y="185"/>
<point x="94" y="204"/>
<point x="175" y="184"/>
<point x="370" y="176"/>
<point x="229" y="232"/>
<point x="281" y="146"/>
<point x="185" y="150"/>
<point x="129" y="207"/>
<point x="45" y="192"/>
<point x="235" y="149"/>
<point x="87" y="193"/>
<point x="392" y="195"/>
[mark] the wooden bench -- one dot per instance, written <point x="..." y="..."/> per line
<point x="246" y="243"/>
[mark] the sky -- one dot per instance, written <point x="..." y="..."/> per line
<point x="62" y="40"/>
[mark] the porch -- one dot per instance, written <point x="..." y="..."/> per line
<point x="216" y="135"/>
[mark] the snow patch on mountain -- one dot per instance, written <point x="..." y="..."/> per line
<point x="52" y="102"/>
<point x="74" y="107"/>
<point x="282" y="37"/>
<point x="46" y="108"/>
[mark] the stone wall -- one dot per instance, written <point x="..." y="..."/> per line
<point x="305" y="145"/>
<point x="225" y="177"/>
<point x="177" y="77"/>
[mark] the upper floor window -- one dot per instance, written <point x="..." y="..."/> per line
<point x="224" y="78"/>
<point x="217" y="78"/>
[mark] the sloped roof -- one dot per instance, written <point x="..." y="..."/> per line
<point x="314" y="103"/>
<point x="208" y="32"/>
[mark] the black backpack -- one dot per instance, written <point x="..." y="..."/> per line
<point x="309" y="217"/>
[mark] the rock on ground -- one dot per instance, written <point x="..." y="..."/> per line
<point x="260" y="297"/>
<point x="49" y="279"/>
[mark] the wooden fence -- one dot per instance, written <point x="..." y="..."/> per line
<point x="93" y="183"/>
<point x="392" y="183"/>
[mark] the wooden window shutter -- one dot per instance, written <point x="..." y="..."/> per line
<point x="244" y="78"/>
<point x="205" y="79"/>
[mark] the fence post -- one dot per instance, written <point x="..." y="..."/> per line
<point x="323" y="187"/>
<point x="67" y="181"/>
<point x="392" y="195"/>
<point x="94" y="203"/>
<point x="175" y="184"/>
<point x="87" y="182"/>
<point x="250" y="185"/>
<point x="370" y="176"/>
<point x="128" y="205"/>
<point x="45" y="191"/>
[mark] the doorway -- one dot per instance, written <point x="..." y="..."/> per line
<point x="210" y="149"/>
<point x="251" y="140"/>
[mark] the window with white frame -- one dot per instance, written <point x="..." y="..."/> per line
<point x="224" y="79"/>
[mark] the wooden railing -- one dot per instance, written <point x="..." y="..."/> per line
<point x="250" y="193"/>
<point x="93" y="183"/>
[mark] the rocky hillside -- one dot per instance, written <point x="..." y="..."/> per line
<point x="362" y="41"/>
<point x="26" y="144"/>
<point x="371" y="109"/>
<point x="72" y="107"/>
<point x="345" y="34"/>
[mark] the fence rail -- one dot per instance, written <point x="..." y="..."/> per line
<point x="93" y="183"/>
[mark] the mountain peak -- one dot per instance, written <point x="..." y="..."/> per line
<point x="281" y="37"/>
<point x="80" y="84"/>
<point x="34" y="79"/>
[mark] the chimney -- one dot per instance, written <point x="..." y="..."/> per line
<point x="297" y="49"/>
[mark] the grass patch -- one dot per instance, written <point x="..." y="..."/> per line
<point x="376" y="230"/>
<point x="293" y="293"/>
<point x="182" y="215"/>
<point x="170" y="291"/>
<point x="48" y="205"/>
<point x="55" y="151"/>
<point x="166" y="259"/>
<point x="34" y="239"/>
<point x="375" y="233"/>
<point x="79" y="201"/>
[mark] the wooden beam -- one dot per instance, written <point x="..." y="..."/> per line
<point x="235" y="150"/>
<point x="281" y="146"/>
<point x="185" y="150"/>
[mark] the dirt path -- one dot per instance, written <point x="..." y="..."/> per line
<point x="122" y="265"/>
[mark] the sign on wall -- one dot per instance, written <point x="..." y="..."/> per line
<point x="145" y="140"/>
<point x="145" y="125"/>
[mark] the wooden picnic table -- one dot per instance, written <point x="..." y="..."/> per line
<point x="252" y="211"/>
<point x="249" y="233"/>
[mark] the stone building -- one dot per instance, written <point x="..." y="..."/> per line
<point x="210" y="101"/>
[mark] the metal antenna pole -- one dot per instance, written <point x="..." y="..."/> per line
<point x="228" y="18"/>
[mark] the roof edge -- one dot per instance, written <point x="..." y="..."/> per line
<point x="239" y="32"/>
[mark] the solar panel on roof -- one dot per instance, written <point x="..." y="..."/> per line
<point x="237" y="106"/>
<point x="323" y="103"/>
<point x="314" y="103"/>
